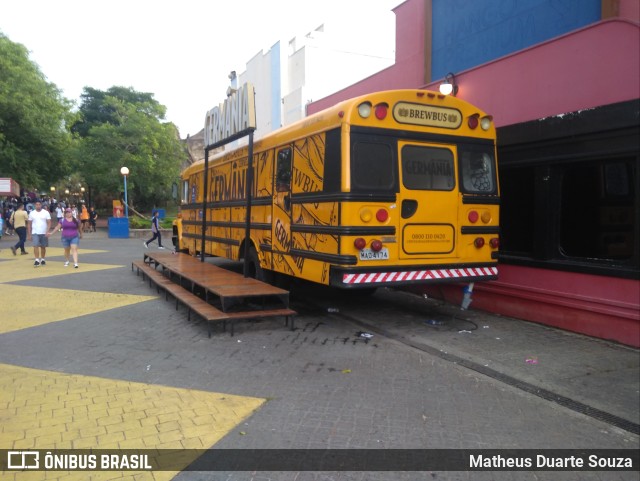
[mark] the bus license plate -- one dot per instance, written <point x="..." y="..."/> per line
<point x="369" y="255"/>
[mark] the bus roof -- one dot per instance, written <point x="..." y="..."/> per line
<point x="346" y="112"/>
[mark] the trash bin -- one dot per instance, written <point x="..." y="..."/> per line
<point x="118" y="228"/>
<point x="161" y="213"/>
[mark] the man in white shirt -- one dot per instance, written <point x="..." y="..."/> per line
<point x="39" y="225"/>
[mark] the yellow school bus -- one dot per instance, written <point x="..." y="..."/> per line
<point x="391" y="188"/>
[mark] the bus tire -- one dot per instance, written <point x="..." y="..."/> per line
<point x="255" y="269"/>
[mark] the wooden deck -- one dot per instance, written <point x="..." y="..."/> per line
<point x="216" y="294"/>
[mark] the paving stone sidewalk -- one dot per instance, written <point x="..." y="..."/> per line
<point x="321" y="386"/>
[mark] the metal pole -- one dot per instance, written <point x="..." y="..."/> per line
<point x="126" y="202"/>
<point x="204" y="201"/>
<point x="247" y="230"/>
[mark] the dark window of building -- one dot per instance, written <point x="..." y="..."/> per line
<point x="517" y="207"/>
<point x="569" y="191"/>
<point x="597" y="209"/>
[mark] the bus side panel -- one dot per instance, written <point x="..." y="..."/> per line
<point x="308" y="164"/>
<point x="190" y="215"/>
<point x="222" y="186"/>
<point x="308" y="241"/>
<point x="262" y="208"/>
<point x="227" y="221"/>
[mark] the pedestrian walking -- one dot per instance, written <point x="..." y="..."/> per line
<point x="39" y="223"/>
<point x="84" y="217"/>
<point x="59" y="212"/>
<point x="8" y="225"/>
<point x="20" y="218"/>
<point x="71" y="230"/>
<point x="155" y="228"/>
<point x="93" y="217"/>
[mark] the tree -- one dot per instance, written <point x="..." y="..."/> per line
<point x="96" y="109"/>
<point x="122" y="127"/>
<point x="34" y="120"/>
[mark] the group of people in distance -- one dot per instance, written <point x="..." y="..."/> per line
<point x="40" y="219"/>
<point x="69" y="227"/>
<point x="87" y="217"/>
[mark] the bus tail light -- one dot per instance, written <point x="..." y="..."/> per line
<point x="486" y="217"/>
<point x="494" y="243"/>
<point x="473" y="121"/>
<point x="366" y="215"/>
<point x="479" y="242"/>
<point x="364" y="109"/>
<point x="382" y="215"/>
<point x="359" y="243"/>
<point x="376" y="245"/>
<point x="473" y="216"/>
<point x="485" y="122"/>
<point x="381" y="111"/>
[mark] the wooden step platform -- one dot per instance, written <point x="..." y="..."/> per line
<point x="228" y="296"/>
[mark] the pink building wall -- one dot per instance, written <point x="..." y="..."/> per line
<point x="587" y="68"/>
<point x="593" y="66"/>
<point x="590" y="67"/>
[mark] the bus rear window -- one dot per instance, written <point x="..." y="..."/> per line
<point x="427" y="168"/>
<point x="477" y="169"/>
<point x="372" y="167"/>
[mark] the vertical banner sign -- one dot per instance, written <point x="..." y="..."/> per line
<point x="231" y="119"/>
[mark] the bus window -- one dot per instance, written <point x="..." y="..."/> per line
<point x="185" y="191"/>
<point x="477" y="169"/>
<point x="372" y="167"/>
<point x="427" y="168"/>
<point x="332" y="161"/>
<point x="283" y="171"/>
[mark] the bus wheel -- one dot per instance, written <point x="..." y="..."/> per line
<point x="255" y="269"/>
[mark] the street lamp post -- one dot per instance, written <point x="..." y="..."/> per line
<point x="125" y="171"/>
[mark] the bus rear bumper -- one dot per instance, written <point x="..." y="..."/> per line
<point x="354" y="278"/>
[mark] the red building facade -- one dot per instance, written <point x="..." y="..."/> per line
<point x="567" y="110"/>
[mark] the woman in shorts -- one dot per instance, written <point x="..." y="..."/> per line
<point x="71" y="235"/>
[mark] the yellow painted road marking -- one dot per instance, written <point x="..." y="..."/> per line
<point x="27" y="306"/>
<point x="21" y="268"/>
<point x="51" y="410"/>
<point x="6" y="253"/>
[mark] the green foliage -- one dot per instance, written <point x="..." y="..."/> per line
<point x="42" y="143"/>
<point x="122" y="127"/>
<point x="97" y="107"/>
<point x="139" y="223"/>
<point x="34" y="116"/>
<point x="136" y="222"/>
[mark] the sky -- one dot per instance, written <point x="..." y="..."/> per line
<point x="181" y="51"/>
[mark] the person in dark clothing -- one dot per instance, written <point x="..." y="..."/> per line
<point x="19" y="220"/>
<point x="155" y="228"/>
<point x="93" y="217"/>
